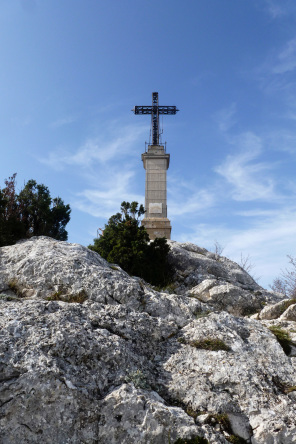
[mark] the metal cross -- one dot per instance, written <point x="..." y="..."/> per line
<point x="155" y="110"/>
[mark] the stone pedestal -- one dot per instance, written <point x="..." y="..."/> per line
<point x="156" y="162"/>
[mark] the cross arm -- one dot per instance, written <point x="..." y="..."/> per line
<point x="168" y="110"/>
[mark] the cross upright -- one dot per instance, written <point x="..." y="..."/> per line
<point x="155" y="110"/>
<point x="156" y="162"/>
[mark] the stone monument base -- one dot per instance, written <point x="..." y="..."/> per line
<point x="157" y="227"/>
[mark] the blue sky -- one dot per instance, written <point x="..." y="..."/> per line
<point x="72" y="70"/>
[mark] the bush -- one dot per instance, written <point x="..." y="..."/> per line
<point x="283" y="338"/>
<point x="70" y="298"/>
<point x="32" y="212"/>
<point x="211" y="344"/>
<point x="124" y="242"/>
<point x="194" y="440"/>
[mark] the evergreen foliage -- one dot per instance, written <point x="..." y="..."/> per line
<point x="32" y="212"/>
<point x="124" y="242"/>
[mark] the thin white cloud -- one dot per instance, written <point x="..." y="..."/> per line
<point x="268" y="240"/>
<point x="282" y="139"/>
<point x="246" y="176"/>
<point x="225" y="118"/>
<point x="274" y="234"/>
<point x="274" y="75"/>
<point x="97" y="150"/>
<point x="286" y="59"/>
<point x="256" y="212"/>
<point x="189" y="201"/>
<point x="185" y="197"/>
<point x="63" y="122"/>
<point x="279" y="8"/>
<point x="114" y="187"/>
<point x="107" y="165"/>
<point x="275" y="9"/>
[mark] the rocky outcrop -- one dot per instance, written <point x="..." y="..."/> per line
<point x="216" y="280"/>
<point x="194" y="264"/>
<point x="285" y="309"/>
<point x="91" y="355"/>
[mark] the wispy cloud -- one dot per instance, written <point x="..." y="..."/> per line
<point x="97" y="150"/>
<point x="269" y="232"/>
<point x="106" y="165"/>
<point x="275" y="75"/>
<point x="274" y="8"/>
<point x="189" y="202"/>
<point x="280" y="8"/>
<point x="282" y="139"/>
<point x="63" y="122"/>
<point x="225" y="118"/>
<point x="273" y="233"/>
<point x="246" y="176"/>
<point x="104" y="200"/>
<point x="286" y="59"/>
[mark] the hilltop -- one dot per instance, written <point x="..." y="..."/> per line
<point x="92" y="355"/>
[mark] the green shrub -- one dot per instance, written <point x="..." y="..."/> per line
<point x="32" y="212"/>
<point x="194" y="440"/>
<point x="283" y="338"/>
<point x="286" y="305"/>
<point x="283" y="386"/>
<point x="70" y="298"/>
<point x="14" y="286"/>
<point x="222" y="419"/>
<point x="249" y="311"/>
<point x="290" y="389"/>
<point x="138" y="379"/>
<point x="182" y="340"/>
<point x="124" y="242"/>
<point x="213" y="344"/>
<point x="191" y="412"/>
<point x="202" y="314"/>
<point x="234" y="439"/>
<point x="5" y="297"/>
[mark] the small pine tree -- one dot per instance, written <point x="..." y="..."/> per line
<point x="126" y="243"/>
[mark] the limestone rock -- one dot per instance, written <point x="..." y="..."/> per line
<point x="130" y="365"/>
<point x="45" y="268"/>
<point x="289" y="314"/>
<point x="194" y="264"/>
<point x="216" y="280"/>
<point x="274" y="311"/>
<point x="251" y="380"/>
<point x="284" y="310"/>
<point x="153" y="420"/>
<point x="228" y="297"/>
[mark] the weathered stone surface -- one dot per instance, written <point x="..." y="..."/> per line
<point x="249" y="380"/>
<point x="216" y="280"/>
<point x="194" y="264"/>
<point x="131" y="365"/>
<point x="284" y="310"/>
<point x="274" y="311"/>
<point x="228" y="297"/>
<point x="42" y="267"/>
<point x="289" y="314"/>
<point x="154" y="421"/>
